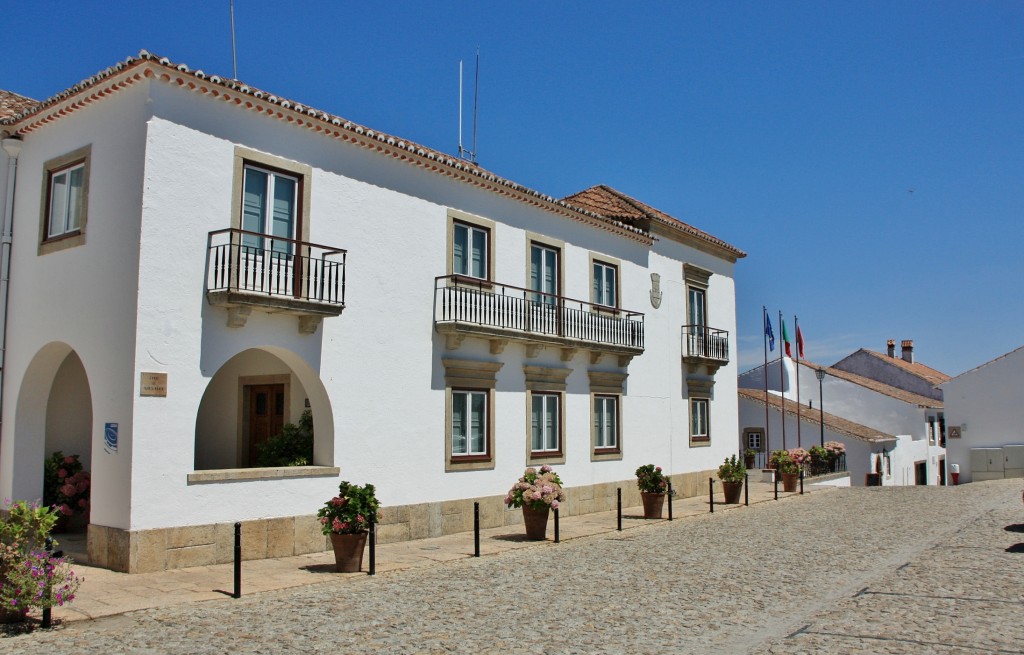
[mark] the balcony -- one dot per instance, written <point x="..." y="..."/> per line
<point x="247" y="270"/>
<point x="704" y="346"/>
<point x="501" y="313"/>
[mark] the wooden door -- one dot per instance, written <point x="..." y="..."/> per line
<point x="266" y="415"/>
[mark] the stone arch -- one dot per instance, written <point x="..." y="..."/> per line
<point x="222" y="436"/>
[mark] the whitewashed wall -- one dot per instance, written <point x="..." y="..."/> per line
<point x="986" y="403"/>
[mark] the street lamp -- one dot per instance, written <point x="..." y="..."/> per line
<point x="820" y="374"/>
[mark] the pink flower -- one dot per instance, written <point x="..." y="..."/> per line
<point x="69" y="460"/>
<point x="68" y="489"/>
<point x="537" y="495"/>
<point x="62" y="473"/>
<point x="359" y="518"/>
<point x="657" y="468"/>
<point x="508" y="499"/>
<point x="323" y="520"/>
<point x="346" y="525"/>
<point x="547" y="489"/>
<point x="545" y="469"/>
<point x="82" y="502"/>
<point x="337" y="525"/>
<point x="65" y="510"/>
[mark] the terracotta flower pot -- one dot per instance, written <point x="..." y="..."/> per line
<point x="536" y="521"/>
<point x="653" y="504"/>
<point x="348" y="551"/>
<point x="789" y="481"/>
<point x="732" y="492"/>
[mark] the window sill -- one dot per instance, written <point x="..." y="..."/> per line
<point x="545" y="457"/>
<point x="62" y="242"/>
<point x="273" y="473"/>
<point x="700" y="442"/>
<point x="469" y="463"/>
<point x="605" y="454"/>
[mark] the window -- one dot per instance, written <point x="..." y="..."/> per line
<point x="65" y="214"/>
<point x="754" y="440"/>
<point x="469" y="414"/>
<point x="469" y="250"/>
<point x="606" y="423"/>
<point x="545" y="424"/>
<point x="931" y="430"/>
<point x="699" y="428"/>
<point x="65" y="201"/>
<point x="544" y="273"/>
<point x="269" y="206"/>
<point x="697" y="308"/>
<point x="469" y="423"/>
<point x="605" y="289"/>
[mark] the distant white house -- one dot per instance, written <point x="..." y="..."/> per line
<point x="985" y="415"/>
<point x="886" y="430"/>
<point x="198" y="261"/>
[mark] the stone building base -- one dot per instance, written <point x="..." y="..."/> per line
<point x="144" y="551"/>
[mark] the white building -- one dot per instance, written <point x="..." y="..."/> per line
<point x="888" y="430"/>
<point x="196" y="261"/>
<point x="985" y="414"/>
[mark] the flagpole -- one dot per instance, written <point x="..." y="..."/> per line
<point x="782" y="379"/>
<point x="767" y="427"/>
<point x="796" y="327"/>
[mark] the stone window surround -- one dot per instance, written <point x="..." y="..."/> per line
<point x="699" y="390"/>
<point x="698" y="278"/>
<point x="746" y="440"/>
<point x="303" y="172"/>
<point x="606" y="383"/>
<point x="550" y="380"/>
<point x="596" y="258"/>
<point x="456" y="216"/>
<point x="47" y="245"/>
<point x="469" y="375"/>
<point x="555" y="244"/>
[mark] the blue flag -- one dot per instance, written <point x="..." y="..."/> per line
<point x="768" y="333"/>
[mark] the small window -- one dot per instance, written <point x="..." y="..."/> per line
<point x="606" y="423"/>
<point x="469" y="423"/>
<point x="605" y="289"/>
<point x="544" y="423"/>
<point x="699" y="423"/>
<point x="754" y="440"/>
<point x="269" y="207"/>
<point x="66" y="201"/>
<point x="469" y="250"/>
<point x="544" y="274"/>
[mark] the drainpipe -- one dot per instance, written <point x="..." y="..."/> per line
<point x="13" y="148"/>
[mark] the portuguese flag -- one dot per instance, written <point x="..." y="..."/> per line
<point x="785" y="338"/>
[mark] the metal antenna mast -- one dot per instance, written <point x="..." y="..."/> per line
<point x="463" y="152"/>
<point x="234" y="59"/>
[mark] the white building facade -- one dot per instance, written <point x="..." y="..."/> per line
<point x="985" y="419"/>
<point x="196" y="262"/>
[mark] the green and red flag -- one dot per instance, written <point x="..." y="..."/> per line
<point x="785" y="338"/>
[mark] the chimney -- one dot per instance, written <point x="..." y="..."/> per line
<point x="891" y="347"/>
<point x="908" y="350"/>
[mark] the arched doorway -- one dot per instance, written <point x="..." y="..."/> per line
<point x="250" y="399"/>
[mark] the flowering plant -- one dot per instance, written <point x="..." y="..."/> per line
<point x="29" y="576"/>
<point x="834" y="448"/>
<point x="351" y="511"/>
<point x="65" y="485"/>
<point x="536" y="490"/>
<point x="732" y="470"/>
<point x="651" y="480"/>
<point x="782" y="461"/>
<point x="800" y="456"/>
<point x="819" y="460"/>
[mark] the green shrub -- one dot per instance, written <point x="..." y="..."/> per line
<point x="293" y="447"/>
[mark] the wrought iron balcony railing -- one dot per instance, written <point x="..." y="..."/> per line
<point x="706" y="344"/>
<point x="522" y="313"/>
<point x="254" y="264"/>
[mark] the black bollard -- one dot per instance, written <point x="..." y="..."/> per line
<point x="47" y="616"/>
<point x="711" y="493"/>
<point x="373" y="547"/>
<point x="476" y="529"/>
<point x="556" y="525"/>
<point x="776" y="476"/>
<point x="238" y="561"/>
<point x="801" y="482"/>
<point x="746" y="489"/>
<point x="670" y="494"/>
<point x="619" y="505"/>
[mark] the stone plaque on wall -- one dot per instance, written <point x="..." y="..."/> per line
<point x="153" y="384"/>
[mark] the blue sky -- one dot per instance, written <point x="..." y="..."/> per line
<point x="869" y="156"/>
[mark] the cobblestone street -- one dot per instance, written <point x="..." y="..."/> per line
<point x="861" y="570"/>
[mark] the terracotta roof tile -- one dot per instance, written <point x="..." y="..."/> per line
<point x="926" y="373"/>
<point x="832" y="422"/>
<point x="12" y="104"/>
<point x="608" y="202"/>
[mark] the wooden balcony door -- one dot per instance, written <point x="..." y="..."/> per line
<point x="266" y="415"/>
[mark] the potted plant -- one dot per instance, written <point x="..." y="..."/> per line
<point x="732" y="472"/>
<point x="835" y="450"/>
<point x="30" y="577"/>
<point x="66" y="488"/>
<point x="788" y="469"/>
<point x="653" y="485"/>
<point x="537" y="492"/>
<point x="749" y="457"/>
<point x="348" y="518"/>
<point x="819" y="462"/>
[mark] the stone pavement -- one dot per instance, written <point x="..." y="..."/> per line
<point x="106" y="593"/>
<point x="879" y="570"/>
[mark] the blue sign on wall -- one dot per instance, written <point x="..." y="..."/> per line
<point x="110" y="437"/>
